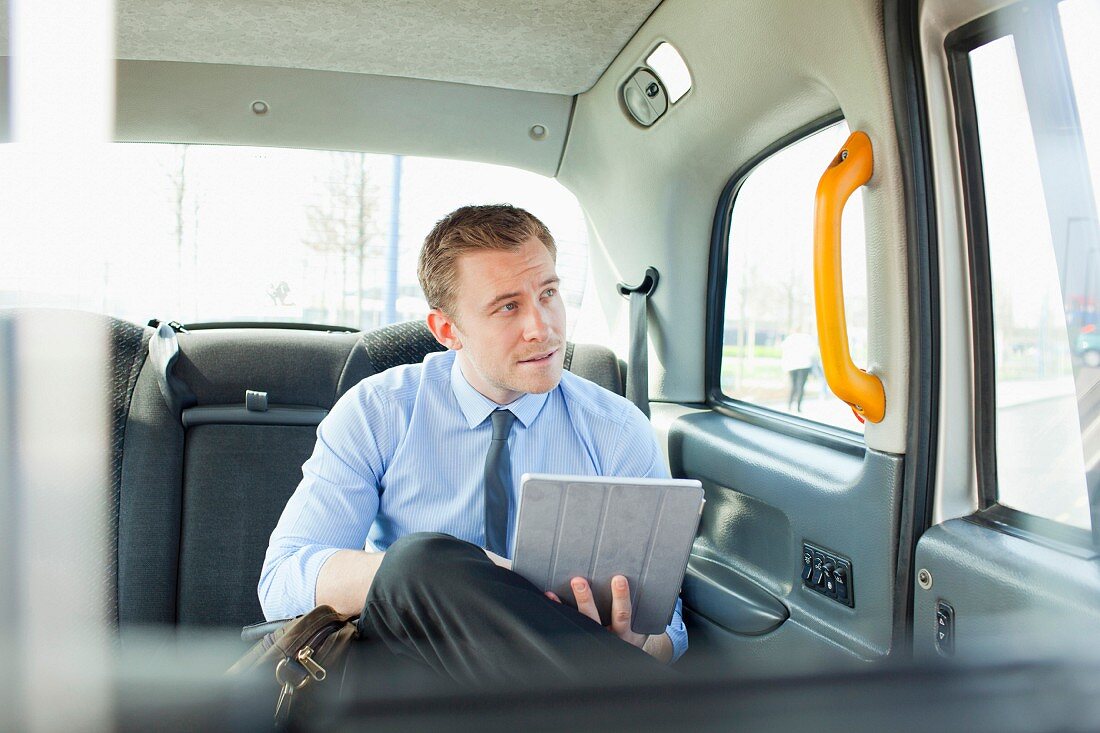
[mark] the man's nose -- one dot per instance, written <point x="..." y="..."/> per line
<point x="536" y="327"/>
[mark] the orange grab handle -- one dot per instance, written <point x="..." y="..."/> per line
<point x="850" y="169"/>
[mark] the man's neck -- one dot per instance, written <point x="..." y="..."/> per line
<point x="493" y="394"/>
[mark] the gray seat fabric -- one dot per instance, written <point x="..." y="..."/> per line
<point x="150" y="499"/>
<point x="597" y="364"/>
<point x="128" y="344"/>
<point x="237" y="478"/>
<point x="197" y="504"/>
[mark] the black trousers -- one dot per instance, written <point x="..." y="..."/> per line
<point x="439" y="604"/>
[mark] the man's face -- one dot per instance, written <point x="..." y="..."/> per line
<point x="508" y="324"/>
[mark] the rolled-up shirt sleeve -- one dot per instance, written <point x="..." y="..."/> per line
<point x="334" y="505"/>
<point x="638" y="455"/>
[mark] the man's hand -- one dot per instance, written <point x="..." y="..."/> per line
<point x="658" y="646"/>
<point x="621" y="612"/>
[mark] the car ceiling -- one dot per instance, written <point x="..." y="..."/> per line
<point x="556" y="46"/>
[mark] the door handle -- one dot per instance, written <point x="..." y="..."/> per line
<point x="727" y="598"/>
<point x="851" y="168"/>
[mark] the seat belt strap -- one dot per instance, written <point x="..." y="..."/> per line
<point x="164" y="351"/>
<point x="637" y="369"/>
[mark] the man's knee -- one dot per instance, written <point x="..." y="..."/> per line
<point x="420" y="555"/>
<point x="421" y="547"/>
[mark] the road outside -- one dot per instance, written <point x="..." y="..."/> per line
<point x="1040" y="465"/>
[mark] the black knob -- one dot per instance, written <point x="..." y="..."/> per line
<point x="652" y="90"/>
<point x="827" y="581"/>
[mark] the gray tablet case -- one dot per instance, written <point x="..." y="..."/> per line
<point x="594" y="527"/>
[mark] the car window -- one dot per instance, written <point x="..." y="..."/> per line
<point x="1038" y="132"/>
<point x="770" y="354"/>
<point x="220" y="233"/>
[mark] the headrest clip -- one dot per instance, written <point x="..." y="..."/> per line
<point x="255" y="401"/>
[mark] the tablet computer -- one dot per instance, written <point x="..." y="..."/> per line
<point x="600" y="527"/>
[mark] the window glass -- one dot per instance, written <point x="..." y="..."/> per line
<point x="214" y="233"/>
<point x="770" y="354"/>
<point x="1040" y="179"/>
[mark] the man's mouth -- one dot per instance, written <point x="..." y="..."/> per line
<point x="540" y="358"/>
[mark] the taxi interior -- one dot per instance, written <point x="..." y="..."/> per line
<point x="876" y="536"/>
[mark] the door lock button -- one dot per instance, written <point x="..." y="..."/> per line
<point x="840" y="577"/>
<point x="945" y="628"/>
<point x="819" y="569"/>
<point x="807" y="564"/>
<point x="827" y="573"/>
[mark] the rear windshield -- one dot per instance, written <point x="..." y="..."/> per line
<point x="199" y="233"/>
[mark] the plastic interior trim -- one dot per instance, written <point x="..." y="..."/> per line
<point x="907" y="81"/>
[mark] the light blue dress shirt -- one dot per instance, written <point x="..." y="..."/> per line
<point x="404" y="451"/>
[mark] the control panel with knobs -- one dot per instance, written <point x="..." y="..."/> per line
<point x="828" y="573"/>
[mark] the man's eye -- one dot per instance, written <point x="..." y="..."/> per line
<point x="550" y="293"/>
<point x="508" y="307"/>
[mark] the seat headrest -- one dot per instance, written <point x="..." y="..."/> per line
<point x="294" y="367"/>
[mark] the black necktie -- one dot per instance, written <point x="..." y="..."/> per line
<point x="498" y="484"/>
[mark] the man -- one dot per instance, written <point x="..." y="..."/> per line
<point x="411" y="451"/>
<point x="796" y="357"/>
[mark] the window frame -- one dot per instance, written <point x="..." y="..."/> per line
<point x="823" y="434"/>
<point x="991" y="513"/>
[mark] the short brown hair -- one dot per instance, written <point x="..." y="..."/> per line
<point x="471" y="228"/>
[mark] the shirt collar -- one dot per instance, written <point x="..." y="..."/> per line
<point x="476" y="406"/>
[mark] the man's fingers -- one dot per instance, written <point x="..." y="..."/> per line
<point x="620" y="605"/>
<point x="552" y="596"/>
<point x="586" y="604"/>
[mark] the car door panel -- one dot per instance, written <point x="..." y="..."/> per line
<point x="767" y="494"/>
<point x="1010" y="595"/>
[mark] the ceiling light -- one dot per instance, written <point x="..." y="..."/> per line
<point x="670" y="66"/>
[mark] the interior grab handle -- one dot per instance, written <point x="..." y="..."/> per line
<point x="851" y="168"/>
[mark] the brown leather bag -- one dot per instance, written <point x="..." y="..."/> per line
<point x="301" y="654"/>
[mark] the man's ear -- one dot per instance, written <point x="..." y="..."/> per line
<point x="444" y="328"/>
